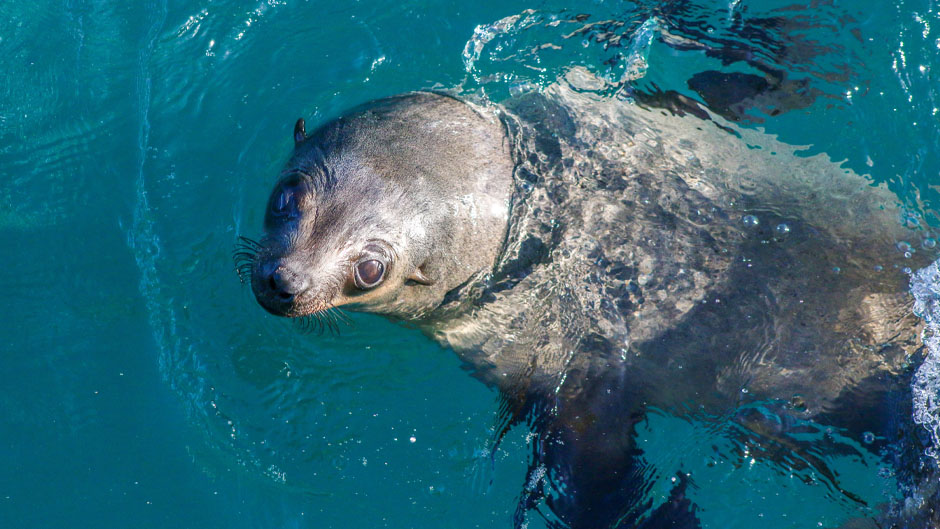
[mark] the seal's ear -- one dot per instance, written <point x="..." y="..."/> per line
<point x="300" y="132"/>
<point x="418" y="277"/>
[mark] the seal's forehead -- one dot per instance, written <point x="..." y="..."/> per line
<point x="309" y="163"/>
<point x="429" y="121"/>
<point x="345" y="218"/>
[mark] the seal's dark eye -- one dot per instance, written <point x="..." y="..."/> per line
<point x="285" y="205"/>
<point x="369" y="273"/>
<point x="285" y="202"/>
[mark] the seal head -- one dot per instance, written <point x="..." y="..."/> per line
<point x="376" y="209"/>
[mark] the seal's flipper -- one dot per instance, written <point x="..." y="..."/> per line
<point x="879" y="412"/>
<point x="595" y="480"/>
<point x="678" y="512"/>
<point x="585" y="464"/>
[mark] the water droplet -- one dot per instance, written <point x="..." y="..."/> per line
<point x="868" y="438"/>
<point x="750" y="221"/>
<point x="798" y="403"/>
<point x="782" y="229"/>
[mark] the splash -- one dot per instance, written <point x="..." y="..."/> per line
<point x="533" y="49"/>
<point x="925" y="286"/>
<point x="637" y="58"/>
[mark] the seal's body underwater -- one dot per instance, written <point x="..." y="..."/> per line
<point x="591" y="258"/>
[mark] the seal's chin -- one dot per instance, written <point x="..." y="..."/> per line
<point x="295" y="307"/>
<point x="278" y="308"/>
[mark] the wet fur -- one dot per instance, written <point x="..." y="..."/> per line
<point x="603" y="283"/>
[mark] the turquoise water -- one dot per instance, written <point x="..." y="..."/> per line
<point x="142" y="385"/>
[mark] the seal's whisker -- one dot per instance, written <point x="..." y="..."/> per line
<point x="246" y="247"/>
<point x="317" y="323"/>
<point x="328" y="324"/>
<point x="342" y="316"/>
<point x="334" y="319"/>
<point x="326" y="321"/>
<point x="244" y="254"/>
<point x="331" y="325"/>
<point x="243" y="266"/>
<point x="243" y="271"/>
<point x="248" y="242"/>
<point x="304" y="324"/>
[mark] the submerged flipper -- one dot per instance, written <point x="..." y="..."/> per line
<point x="587" y="470"/>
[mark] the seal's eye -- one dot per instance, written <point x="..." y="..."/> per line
<point x="369" y="273"/>
<point x="285" y="204"/>
<point x="283" y="201"/>
<point x="286" y="199"/>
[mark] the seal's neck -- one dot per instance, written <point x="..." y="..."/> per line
<point x="464" y="232"/>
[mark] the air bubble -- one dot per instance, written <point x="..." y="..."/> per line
<point x="782" y="229"/>
<point x="929" y="242"/>
<point x="798" y="402"/>
<point x="868" y="438"/>
<point x="750" y="221"/>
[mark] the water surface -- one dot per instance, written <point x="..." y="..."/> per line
<point x="137" y="140"/>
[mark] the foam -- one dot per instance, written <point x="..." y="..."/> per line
<point x="925" y="286"/>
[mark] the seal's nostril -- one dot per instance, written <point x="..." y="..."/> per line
<point x="283" y="283"/>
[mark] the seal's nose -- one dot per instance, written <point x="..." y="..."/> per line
<point x="285" y="283"/>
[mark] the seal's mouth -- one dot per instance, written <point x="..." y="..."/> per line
<point x="283" y="292"/>
<point x="313" y="315"/>
<point x="277" y="287"/>
<point x="280" y="307"/>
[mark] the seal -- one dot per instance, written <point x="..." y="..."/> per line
<point x="594" y="259"/>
